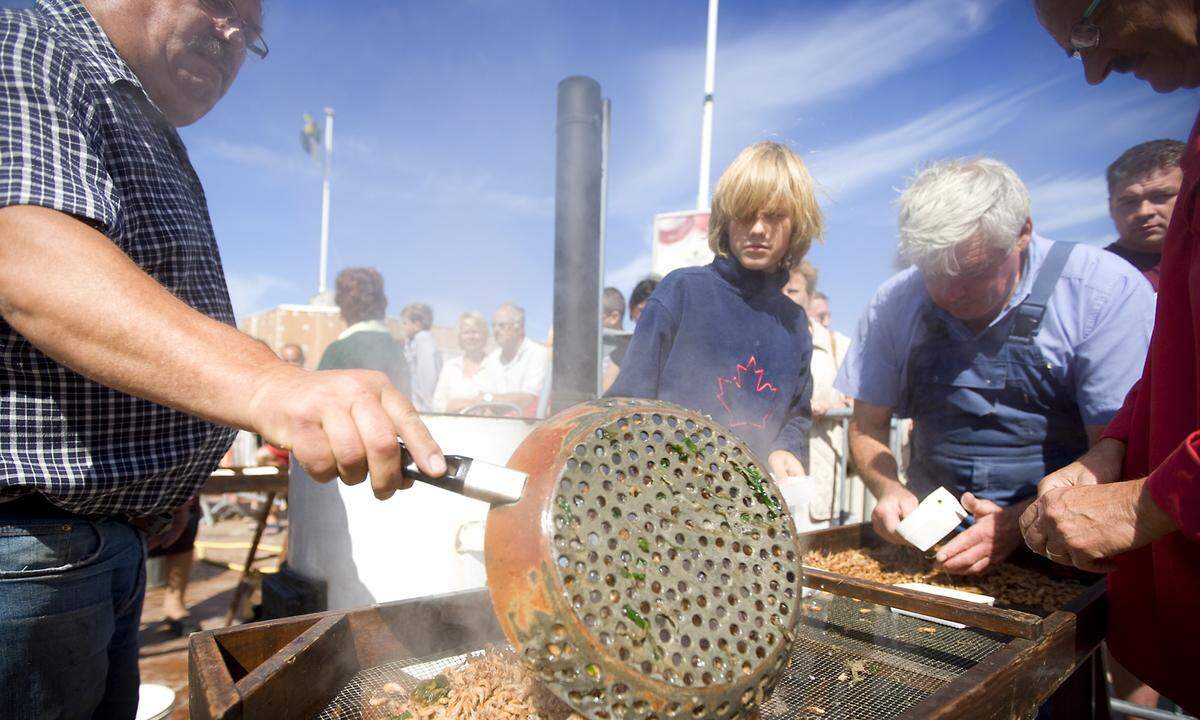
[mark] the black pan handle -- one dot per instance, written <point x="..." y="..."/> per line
<point x="492" y="484"/>
<point x="456" y="471"/>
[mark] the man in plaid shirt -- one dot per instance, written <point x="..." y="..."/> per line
<point x="121" y="374"/>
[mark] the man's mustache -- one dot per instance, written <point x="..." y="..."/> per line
<point x="215" y="49"/>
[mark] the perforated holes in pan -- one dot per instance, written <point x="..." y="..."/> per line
<point x="679" y="559"/>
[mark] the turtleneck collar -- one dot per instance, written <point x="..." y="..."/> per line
<point x="748" y="281"/>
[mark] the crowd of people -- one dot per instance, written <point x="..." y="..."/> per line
<point x="1047" y="385"/>
<point x="512" y="379"/>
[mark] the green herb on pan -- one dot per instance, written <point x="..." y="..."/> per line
<point x="756" y="521"/>
<point x="609" y="435"/>
<point x="644" y="545"/>
<point x="593" y="670"/>
<point x="683" y="456"/>
<point x="691" y="446"/>
<point x="755" y="479"/>
<point x="665" y="463"/>
<point x="632" y="575"/>
<point x="432" y="690"/>
<point x="567" y="518"/>
<point x="636" y="618"/>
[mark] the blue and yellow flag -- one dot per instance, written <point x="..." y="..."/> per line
<point x="310" y="137"/>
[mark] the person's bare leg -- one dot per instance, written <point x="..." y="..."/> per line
<point x="179" y="571"/>
<point x="1127" y="687"/>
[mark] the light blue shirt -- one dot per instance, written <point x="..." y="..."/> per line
<point x="1094" y="334"/>
<point x="424" y="366"/>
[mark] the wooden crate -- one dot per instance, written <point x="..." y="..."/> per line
<point x="1053" y="658"/>
<point x="293" y="667"/>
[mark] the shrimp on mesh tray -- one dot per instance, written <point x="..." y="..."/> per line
<point x="492" y="686"/>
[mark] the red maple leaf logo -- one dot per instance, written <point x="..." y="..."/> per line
<point x="744" y="395"/>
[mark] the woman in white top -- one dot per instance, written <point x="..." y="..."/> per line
<point x="826" y="441"/>
<point x="459" y="383"/>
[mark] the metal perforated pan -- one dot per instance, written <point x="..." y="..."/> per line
<point x="649" y="569"/>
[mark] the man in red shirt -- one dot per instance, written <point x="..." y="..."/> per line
<point x="1132" y="504"/>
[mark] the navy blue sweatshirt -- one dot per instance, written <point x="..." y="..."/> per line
<point x="725" y="341"/>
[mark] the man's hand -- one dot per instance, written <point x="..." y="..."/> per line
<point x="1088" y="525"/>
<point x="1101" y="464"/>
<point x="179" y="522"/>
<point x="783" y="464"/>
<point x="343" y="423"/>
<point x="819" y="409"/>
<point x="893" y="505"/>
<point x="993" y="537"/>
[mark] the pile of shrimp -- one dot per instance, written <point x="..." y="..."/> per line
<point x="492" y="686"/>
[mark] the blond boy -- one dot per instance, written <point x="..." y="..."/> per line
<point x="723" y="339"/>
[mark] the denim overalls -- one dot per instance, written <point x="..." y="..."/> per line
<point x="989" y="415"/>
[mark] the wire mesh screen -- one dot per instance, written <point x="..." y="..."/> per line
<point x="859" y="660"/>
<point x="849" y="660"/>
<point x="353" y="701"/>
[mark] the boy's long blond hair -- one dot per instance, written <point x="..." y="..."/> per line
<point x="766" y="176"/>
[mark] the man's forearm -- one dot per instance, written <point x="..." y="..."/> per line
<point x="76" y="297"/>
<point x="874" y="459"/>
<point x="521" y="400"/>
<point x="455" y="405"/>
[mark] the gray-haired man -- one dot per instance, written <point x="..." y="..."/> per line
<point x="1009" y="352"/>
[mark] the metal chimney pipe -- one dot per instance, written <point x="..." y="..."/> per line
<point x="577" y="251"/>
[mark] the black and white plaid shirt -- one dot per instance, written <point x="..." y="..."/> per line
<point x="79" y="135"/>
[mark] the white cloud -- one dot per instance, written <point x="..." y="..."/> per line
<point x="1133" y="114"/>
<point x="628" y="275"/>
<point x="1066" y="202"/>
<point x="260" y="156"/>
<point x="804" y="62"/>
<point x="784" y="68"/>
<point x="249" y="291"/>
<point x="846" y="168"/>
<point x="462" y="192"/>
<point x="374" y="158"/>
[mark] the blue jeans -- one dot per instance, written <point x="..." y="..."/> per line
<point x="71" y="593"/>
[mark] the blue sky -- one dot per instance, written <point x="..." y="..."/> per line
<point x="444" y="158"/>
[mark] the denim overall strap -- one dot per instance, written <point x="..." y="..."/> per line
<point x="1033" y="309"/>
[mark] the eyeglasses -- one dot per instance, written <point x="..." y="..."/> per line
<point x="1085" y="35"/>
<point x="513" y="325"/>
<point x="226" y="11"/>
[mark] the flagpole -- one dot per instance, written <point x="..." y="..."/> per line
<point x="710" y="69"/>
<point x="325" y="199"/>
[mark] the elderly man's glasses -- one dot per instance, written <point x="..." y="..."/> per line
<point x="1085" y="34"/>
<point x="226" y="11"/>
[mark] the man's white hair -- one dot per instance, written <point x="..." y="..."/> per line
<point x="512" y="309"/>
<point x="952" y="201"/>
